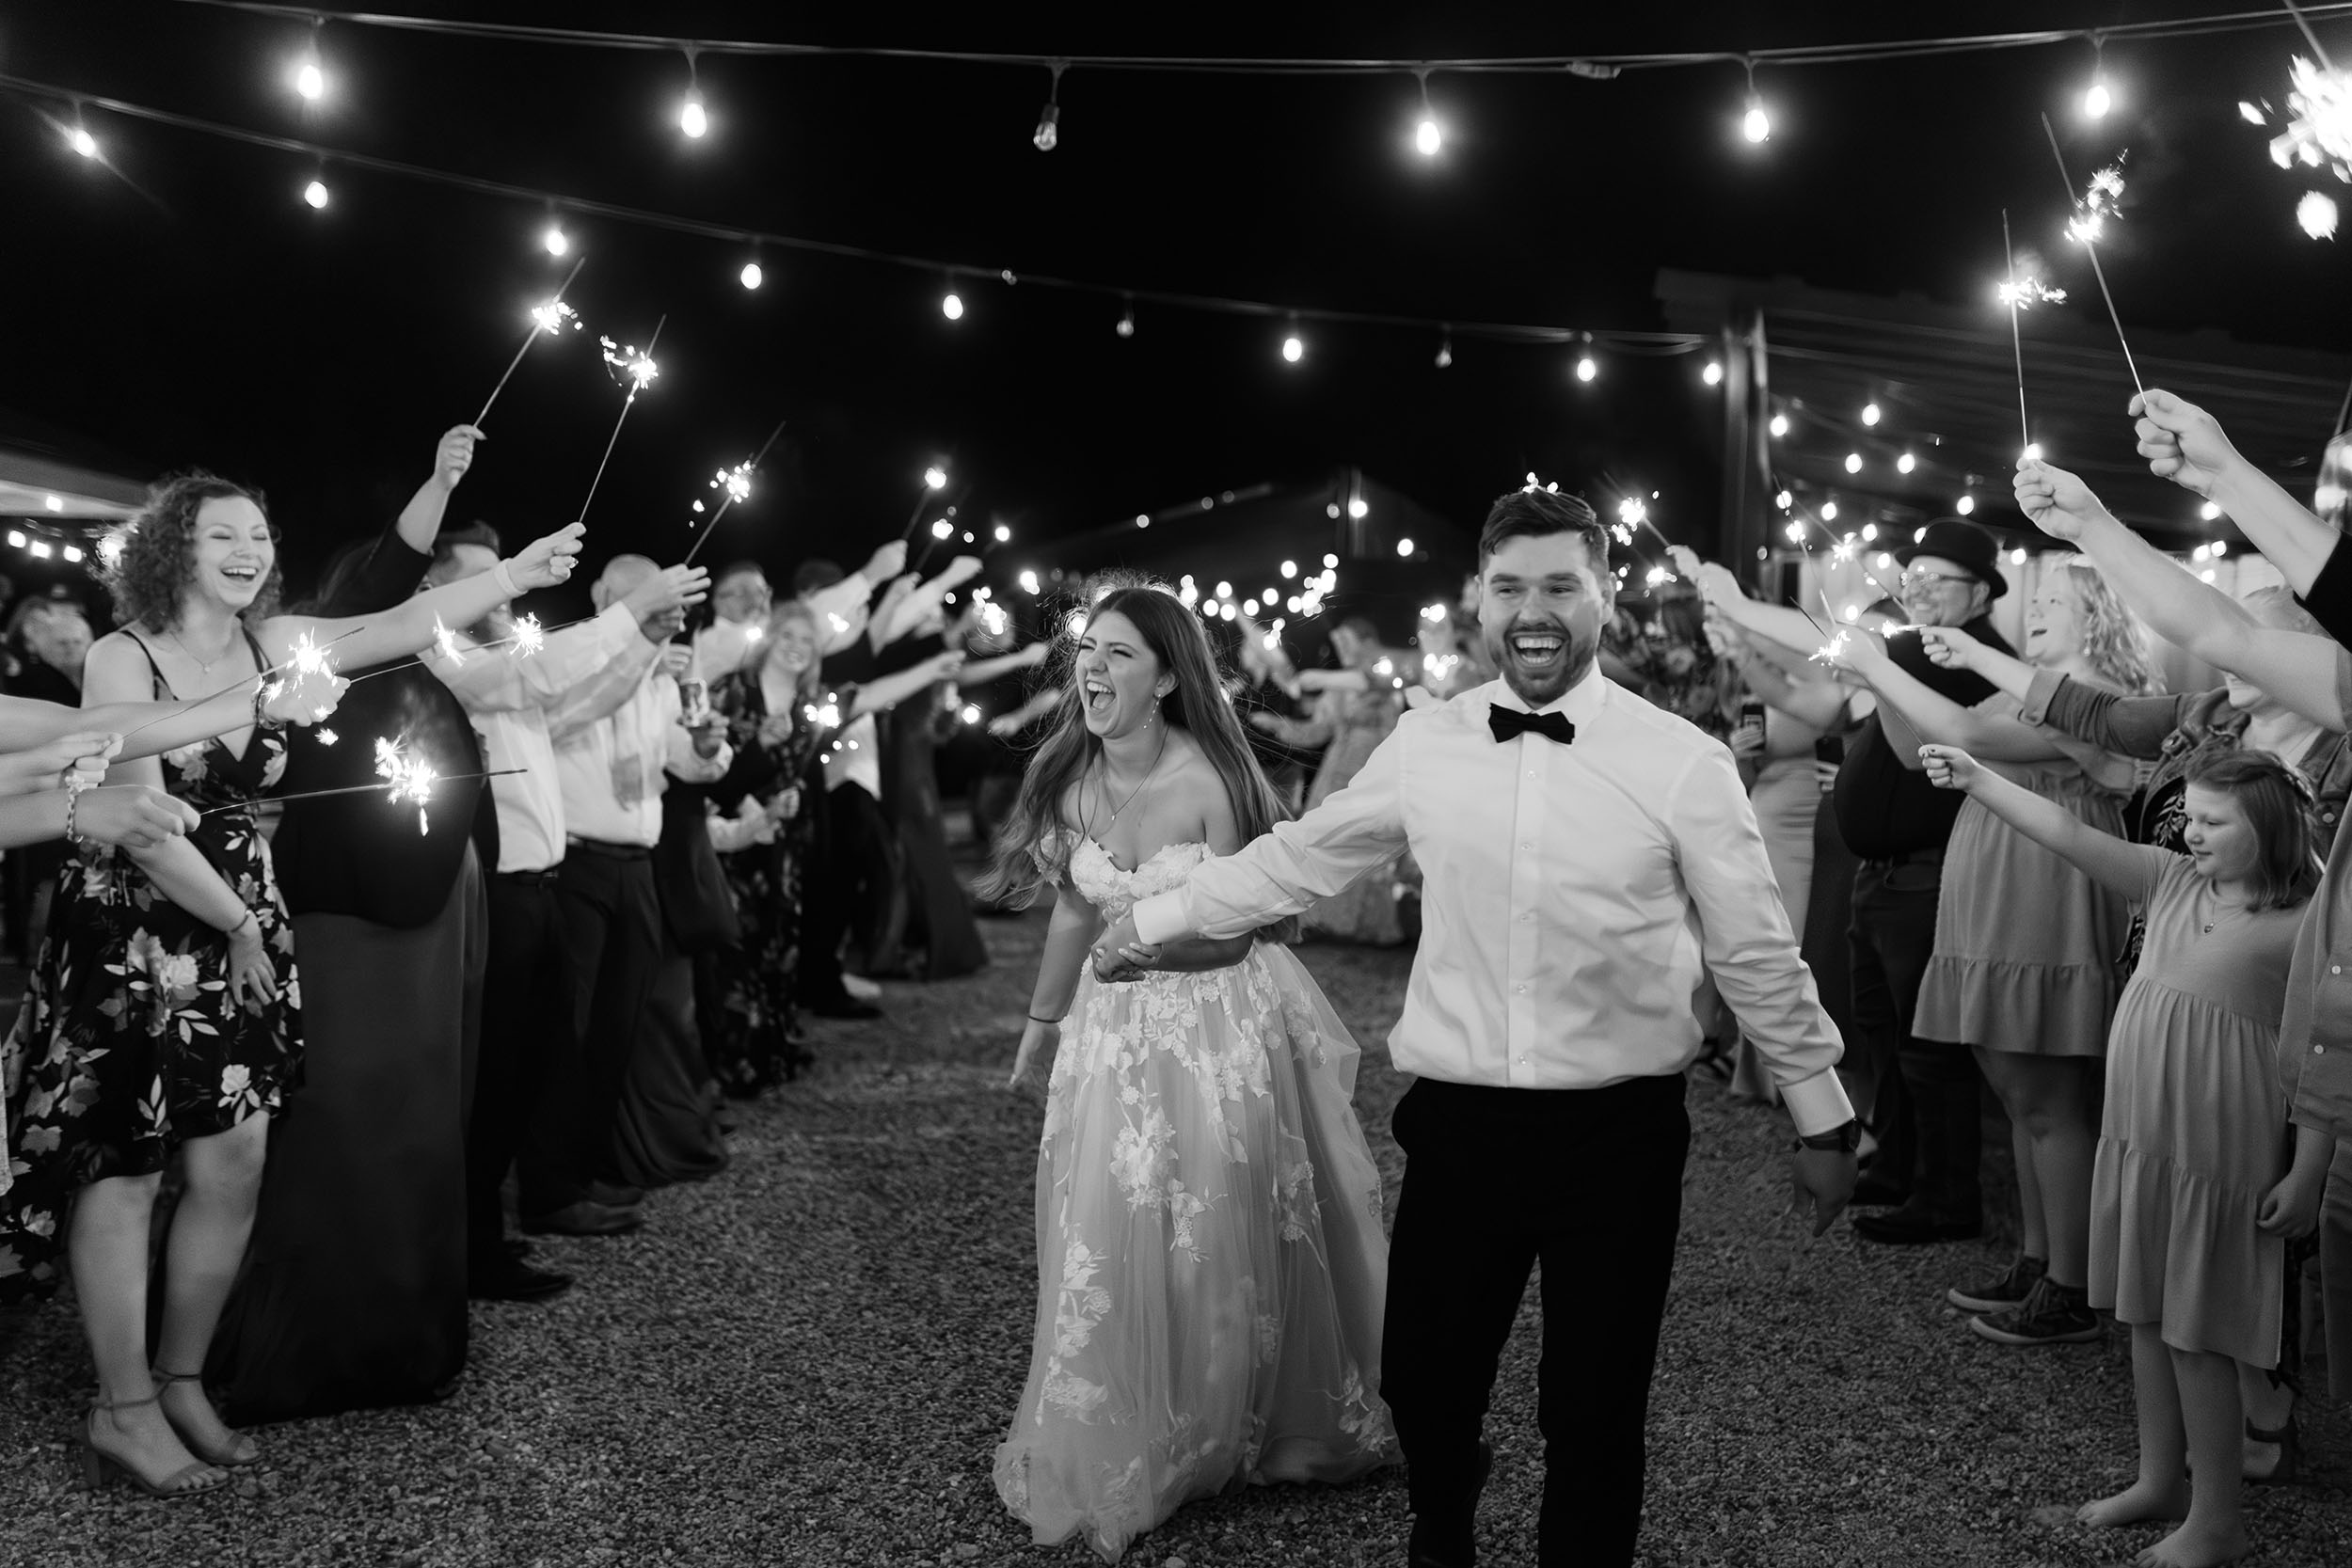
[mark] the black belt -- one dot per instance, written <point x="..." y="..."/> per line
<point x="611" y="852"/>
<point x="530" y="878"/>
<point x="1932" y="856"/>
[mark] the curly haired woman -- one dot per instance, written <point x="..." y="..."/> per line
<point x="164" y="1015"/>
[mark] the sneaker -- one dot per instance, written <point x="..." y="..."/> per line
<point x="861" y="987"/>
<point x="2050" y="1315"/>
<point x="2007" y="1288"/>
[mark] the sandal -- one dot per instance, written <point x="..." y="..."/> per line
<point x="242" y="1453"/>
<point x="98" y="1465"/>
<point x="2289" y="1438"/>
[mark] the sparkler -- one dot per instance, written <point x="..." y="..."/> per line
<point x="309" y="659"/>
<point x="2018" y="295"/>
<point x="637" y="366"/>
<point x="428" y="780"/>
<point x="445" y="644"/>
<point x="548" y="318"/>
<point x="737" y="483"/>
<point x="529" y="639"/>
<point x="2099" y="200"/>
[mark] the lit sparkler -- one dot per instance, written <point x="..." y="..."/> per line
<point x="2318" y="126"/>
<point x="1834" y="650"/>
<point x="528" y="638"/>
<point x="409" y="779"/>
<point x="445" y="644"/>
<point x="550" y="319"/>
<point x="736" y="484"/>
<point x="2025" y="292"/>
<point x="400" y="791"/>
<point x="327" y="737"/>
<point x="2017" y="293"/>
<point x="2099" y="200"/>
<point x="638" y="366"/>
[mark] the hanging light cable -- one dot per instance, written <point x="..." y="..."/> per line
<point x="692" y="118"/>
<point x="1047" y="135"/>
<point x="1756" y="124"/>
<point x="1427" y="137"/>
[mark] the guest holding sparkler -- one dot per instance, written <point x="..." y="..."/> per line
<point x="165" y="1015"/>
<point x="2026" y="945"/>
<point x="512" y="693"/>
<point x="54" y="637"/>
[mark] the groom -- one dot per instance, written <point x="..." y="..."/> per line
<point x="1587" y="857"/>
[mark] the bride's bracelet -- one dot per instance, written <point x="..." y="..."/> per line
<point x="1034" y="1018"/>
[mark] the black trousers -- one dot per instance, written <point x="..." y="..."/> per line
<point x="1929" y="1131"/>
<point x="528" y="1046"/>
<point x="1589" y="1182"/>
<point x="850" y="890"/>
<point x="609" y="917"/>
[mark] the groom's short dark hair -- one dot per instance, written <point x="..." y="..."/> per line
<point x="1539" y="513"/>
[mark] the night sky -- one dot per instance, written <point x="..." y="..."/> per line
<point x="188" y="308"/>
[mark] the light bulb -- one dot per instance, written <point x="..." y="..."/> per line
<point x="1870" y="413"/>
<point x="1870" y="532"/>
<point x="1293" y="349"/>
<point x="1445" y="352"/>
<point x="1853" y="462"/>
<point x="952" y="306"/>
<point x="2316" y="213"/>
<point x="1047" y="135"/>
<point x="1783" y="500"/>
<point x="2202" y="552"/>
<point x="1127" y="324"/>
<point x="2209" y="511"/>
<point x="1249" y="606"/>
<point x="1780" y="424"/>
<point x="1713" y="374"/>
<point x="83" y="142"/>
<point x="1795" y="532"/>
<point x="1028" y="582"/>
<point x="753" y="277"/>
<point x="555" y="240"/>
<point x="1756" y="124"/>
<point x="1964" y="505"/>
<point x="1330" y="561"/>
<point x="2097" y="101"/>
<point x="1404" y="548"/>
<point x="316" y="193"/>
<point x="935" y="478"/>
<point x="1358" y="508"/>
<point x="1904" y="464"/>
<point x="1585" y="368"/>
<point x="1829" y="511"/>
<point x="2017" y="557"/>
<point x="2220" y="548"/>
<point x="1224" y="590"/>
<point x="310" y="81"/>
<point x="1426" y="138"/>
<point x="690" y="116"/>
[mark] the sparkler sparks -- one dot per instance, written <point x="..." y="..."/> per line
<point x="2029" y="292"/>
<point x="2318" y="127"/>
<point x="549" y="319"/>
<point x="1835" y="649"/>
<point x="445" y="644"/>
<point x="553" y="315"/>
<point x="528" y="638"/>
<point x="2102" y="199"/>
<point x="327" y="737"/>
<point x="737" y="482"/>
<point x="631" y="362"/>
<point x="409" y="777"/>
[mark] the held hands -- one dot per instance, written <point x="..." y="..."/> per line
<point x="2182" y="442"/>
<point x="547" y="562"/>
<point x="1119" y="953"/>
<point x="132" y="817"/>
<point x="1949" y="768"/>
<point x="1823" y="1177"/>
<point x="670" y="590"/>
<point x="1036" y="1039"/>
<point x="2290" y="1209"/>
<point x="455" y="455"/>
<point x="252" y="979"/>
<point x="2057" y="502"/>
<point x="69" y="762"/>
<point x="887" y="562"/>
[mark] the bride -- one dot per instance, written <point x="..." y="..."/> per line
<point x="1210" y="1259"/>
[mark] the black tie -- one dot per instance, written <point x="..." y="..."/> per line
<point x="1509" y="721"/>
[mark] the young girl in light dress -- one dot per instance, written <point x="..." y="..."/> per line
<point x="2194" y="1192"/>
<point x="1210" y="1265"/>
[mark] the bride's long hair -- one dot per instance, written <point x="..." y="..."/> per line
<point x="1033" y="847"/>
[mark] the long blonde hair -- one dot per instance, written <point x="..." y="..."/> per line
<point x="2115" y="640"/>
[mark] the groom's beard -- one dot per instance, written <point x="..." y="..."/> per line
<point x="1541" y="683"/>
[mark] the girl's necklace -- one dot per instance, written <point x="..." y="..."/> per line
<point x="1149" y="773"/>
<point x="204" y="666"/>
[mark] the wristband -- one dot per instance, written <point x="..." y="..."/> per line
<point x="506" y="580"/>
<point x="1034" y="1018"/>
<point x="240" y="926"/>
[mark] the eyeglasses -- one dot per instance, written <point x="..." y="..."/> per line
<point x="1917" y="577"/>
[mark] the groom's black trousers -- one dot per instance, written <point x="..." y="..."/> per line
<point x="1590" y="1181"/>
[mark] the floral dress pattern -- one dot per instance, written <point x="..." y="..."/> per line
<point x="1211" y="1269"/>
<point x="127" y="1045"/>
<point x="751" y="1041"/>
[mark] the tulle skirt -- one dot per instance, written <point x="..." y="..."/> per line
<point x="1211" y="1264"/>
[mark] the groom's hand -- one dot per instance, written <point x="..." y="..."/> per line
<point x="1824" y="1178"/>
<point x="1110" y="965"/>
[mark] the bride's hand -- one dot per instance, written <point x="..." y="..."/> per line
<point x="1039" y="1038"/>
<point x="1116" y="965"/>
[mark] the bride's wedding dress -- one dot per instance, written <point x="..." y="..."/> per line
<point x="1210" y="1265"/>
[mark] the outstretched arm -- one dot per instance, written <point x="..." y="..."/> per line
<point x="412" y="625"/>
<point x="2130" y="869"/>
<point x="885" y="693"/>
<point x="2184" y="444"/>
<point x="1991" y="731"/>
<point x="2295" y="668"/>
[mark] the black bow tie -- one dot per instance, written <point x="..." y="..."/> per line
<point x="1509" y="721"/>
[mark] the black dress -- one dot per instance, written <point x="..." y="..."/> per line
<point x="941" y="939"/>
<point x="127" y="1045"/>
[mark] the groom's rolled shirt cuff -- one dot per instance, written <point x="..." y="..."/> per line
<point x="1162" y="918"/>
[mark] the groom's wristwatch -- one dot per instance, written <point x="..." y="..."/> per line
<point x="1842" y="1139"/>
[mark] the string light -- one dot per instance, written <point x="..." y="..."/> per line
<point x="952" y="306"/>
<point x="1404" y="548"/>
<point x="2220" y="548"/>
<point x="1756" y="124"/>
<point x="1780" y="424"/>
<point x="1964" y="505"/>
<point x="1783" y="500"/>
<point x="1870" y="532"/>
<point x="1126" y="327"/>
<point x="1358" y="508"/>
<point x="1427" y="138"/>
<point x="1445" y="348"/>
<point x="1294" y="346"/>
<point x="1047" y="135"/>
<point x="310" y="79"/>
<point x="692" y="118"/>
<point x="1713" y="374"/>
<point x="1586" y="366"/>
<point x="1829" y="511"/>
<point x="77" y="137"/>
<point x="555" y="241"/>
<point x="751" y="277"/>
<point x="1853" y="462"/>
<point x="316" y="193"/>
<point x="2209" y="511"/>
<point x="1289" y="569"/>
<point x="2097" y="100"/>
<point x="1870" y="413"/>
<point x="1904" y="464"/>
<point x="2316" y="213"/>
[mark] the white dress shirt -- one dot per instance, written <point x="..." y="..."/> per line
<point x="509" y="700"/>
<point x="611" y="769"/>
<point x="1573" y="899"/>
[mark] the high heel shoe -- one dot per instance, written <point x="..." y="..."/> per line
<point x="242" y="1453"/>
<point x="99" y="1467"/>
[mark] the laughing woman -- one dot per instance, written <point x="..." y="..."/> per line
<point x="164" y="1015"/>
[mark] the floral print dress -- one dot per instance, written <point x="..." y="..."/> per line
<point x="127" y="1044"/>
<point x="1212" y="1271"/>
<point x="750" y="1043"/>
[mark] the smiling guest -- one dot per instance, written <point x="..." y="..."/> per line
<point x="1588" y="859"/>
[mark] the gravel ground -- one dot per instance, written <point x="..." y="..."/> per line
<point x="809" y="1360"/>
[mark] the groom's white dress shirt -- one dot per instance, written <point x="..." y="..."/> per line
<point x="1573" y="898"/>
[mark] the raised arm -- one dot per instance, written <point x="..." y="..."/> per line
<point x="412" y="625"/>
<point x="2130" y="869"/>
<point x="1791" y="628"/>
<point x="2295" y="668"/>
<point x="918" y="602"/>
<point x="420" y="522"/>
<point x="147" y="728"/>
<point x="1993" y="730"/>
<point x="2184" y="444"/>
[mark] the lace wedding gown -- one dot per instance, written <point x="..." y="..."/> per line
<point x="1210" y="1265"/>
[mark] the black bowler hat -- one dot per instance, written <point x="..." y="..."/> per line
<point x="1965" y="546"/>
